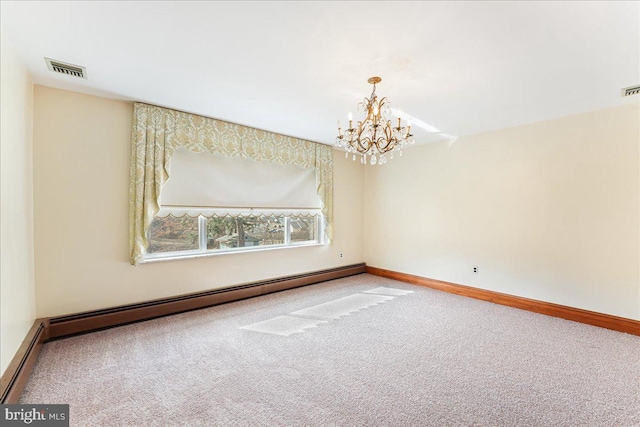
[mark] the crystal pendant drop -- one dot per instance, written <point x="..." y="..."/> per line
<point x="373" y="159"/>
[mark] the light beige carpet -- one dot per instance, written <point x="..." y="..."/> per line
<point x="420" y="358"/>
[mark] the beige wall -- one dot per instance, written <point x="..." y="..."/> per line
<point x="81" y="181"/>
<point x="17" y="289"/>
<point x="546" y="211"/>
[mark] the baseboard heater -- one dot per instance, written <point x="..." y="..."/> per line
<point x="64" y="326"/>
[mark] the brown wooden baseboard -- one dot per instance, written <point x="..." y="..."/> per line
<point x="64" y="326"/>
<point x="620" y="324"/>
<point x="17" y="373"/>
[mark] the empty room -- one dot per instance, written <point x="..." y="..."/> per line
<point x="287" y="213"/>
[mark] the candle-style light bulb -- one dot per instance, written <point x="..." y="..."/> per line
<point x="350" y="120"/>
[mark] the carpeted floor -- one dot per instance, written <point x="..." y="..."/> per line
<point x="349" y="352"/>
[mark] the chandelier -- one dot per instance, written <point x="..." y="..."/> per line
<point x="375" y="137"/>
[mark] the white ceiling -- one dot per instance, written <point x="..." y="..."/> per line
<point x="297" y="67"/>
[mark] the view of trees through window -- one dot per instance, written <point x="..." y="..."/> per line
<point x="239" y="232"/>
<point x="179" y="234"/>
<point x="303" y="228"/>
<point x="171" y="234"/>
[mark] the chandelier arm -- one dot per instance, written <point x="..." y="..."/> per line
<point x="362" y="149"/>
<point x="358" y="142"/>
<point x="364" y="145"/>
<point x="386" y="142"/>
<point x="391" y="144"/>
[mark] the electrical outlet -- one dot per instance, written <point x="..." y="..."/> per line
<point x="475" y="269"/>
<point x="340" y="254"/>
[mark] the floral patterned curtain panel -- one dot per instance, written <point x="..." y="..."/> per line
<point x="157" y="132"/>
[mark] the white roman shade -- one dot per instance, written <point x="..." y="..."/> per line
<point x="208" y="184"/>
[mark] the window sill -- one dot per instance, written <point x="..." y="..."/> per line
<point x="176" y="256"/>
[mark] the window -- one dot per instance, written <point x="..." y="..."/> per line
<point x="214" y="204"/>
<point x="171" y="236"/>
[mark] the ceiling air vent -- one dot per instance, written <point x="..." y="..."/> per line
<point x="64" y="68"/>
<point x="631" y="90"/>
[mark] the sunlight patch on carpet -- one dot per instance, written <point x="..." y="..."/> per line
<point x="388" y="291"/>
<point x="284" y="325"/>
<point x="301" y="320"/>
<point x="343" y="306"/>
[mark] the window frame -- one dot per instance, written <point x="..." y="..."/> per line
<point x="202" y="250"/>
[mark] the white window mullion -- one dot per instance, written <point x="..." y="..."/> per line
<point x="202" y="232"/>
<point x="287" y="230"/>
<point x="320" y="228"/>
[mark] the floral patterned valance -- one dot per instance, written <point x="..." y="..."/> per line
<point x="157" y="132"/>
